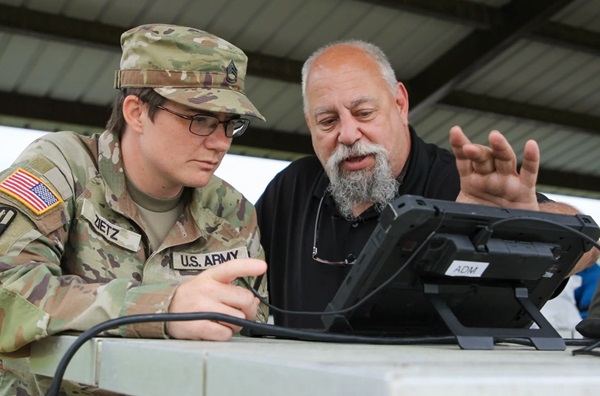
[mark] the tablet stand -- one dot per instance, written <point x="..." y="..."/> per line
<point x="543" y="338"/>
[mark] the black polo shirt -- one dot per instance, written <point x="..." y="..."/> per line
<point x="287" y="212"/>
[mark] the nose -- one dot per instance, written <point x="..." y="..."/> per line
<point x="349" y="132"/>
<point x="217" y="140"/>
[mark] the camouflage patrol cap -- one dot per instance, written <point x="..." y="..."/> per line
<point x="186" y="65"/>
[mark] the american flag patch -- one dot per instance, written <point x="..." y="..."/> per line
<point x="30" y="190"/>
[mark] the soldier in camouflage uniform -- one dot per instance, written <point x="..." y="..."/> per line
<point x="132" y="221"/>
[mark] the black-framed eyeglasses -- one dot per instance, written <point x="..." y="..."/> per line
<point x="204" y="125"/>
<point x="316" y="238"/>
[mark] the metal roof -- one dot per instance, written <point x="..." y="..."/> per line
<point x="530" y="69"/>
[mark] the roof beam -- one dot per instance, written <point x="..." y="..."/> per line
<point x="30" y="22"/>
<point x="25" y="21"/>
<point x="496" y="25"/>
<point x="476" y="49"/>
<point x="77" y="113"/>
<point x="61" y="111"/>
<point x="566" y="36"/>
<point x="568" y="180"/>
<point x="481" y="16"/>
<point x="55" y="110"/>
<point x="29" y="107"/>
<point x="547" y="115"/>
<point x="275" y="140"/>
<point x="475" y="15"/>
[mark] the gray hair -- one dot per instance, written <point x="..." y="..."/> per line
<point x="376" y="53"/>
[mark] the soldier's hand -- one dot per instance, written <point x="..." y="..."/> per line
<point x="212" y="291"/>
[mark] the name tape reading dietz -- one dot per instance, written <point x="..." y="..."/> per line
<point x="194" y="261"/>
<point x="111" y="232"/>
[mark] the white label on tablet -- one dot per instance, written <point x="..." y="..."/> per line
<point x="473" y="269"/>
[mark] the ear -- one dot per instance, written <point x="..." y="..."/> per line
<point x="402" y="101"/>
<point x="133" y="112"/>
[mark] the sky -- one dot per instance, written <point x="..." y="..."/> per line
<point x="250" y="175"/>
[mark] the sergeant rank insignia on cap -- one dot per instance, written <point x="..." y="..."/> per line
<point x="232" y="73"/>
<point x="30" y="191"/>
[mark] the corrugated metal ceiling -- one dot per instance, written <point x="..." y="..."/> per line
<point x="528" y="68"/>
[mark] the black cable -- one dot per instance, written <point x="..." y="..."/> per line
<point x="547" y="221"/>
<point x="488" y="232"/>
<point x="580" y="341"/>
<point x="271" y="329"/>
<point x="276" y="331"/>
<point x="362" y="300"/>
<point x="589" y="344"/>
<point x="302" y="334"/>
<point x="589" y="349"/>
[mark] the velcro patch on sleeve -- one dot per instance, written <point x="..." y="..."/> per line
<point x="31" y="191"/>
<point x="7" y="215"/>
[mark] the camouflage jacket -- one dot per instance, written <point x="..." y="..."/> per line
<point x="74" y="251"/>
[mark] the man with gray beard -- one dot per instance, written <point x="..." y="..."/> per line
<point x="317" y="214"/>
<point x="349" y="189"/>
